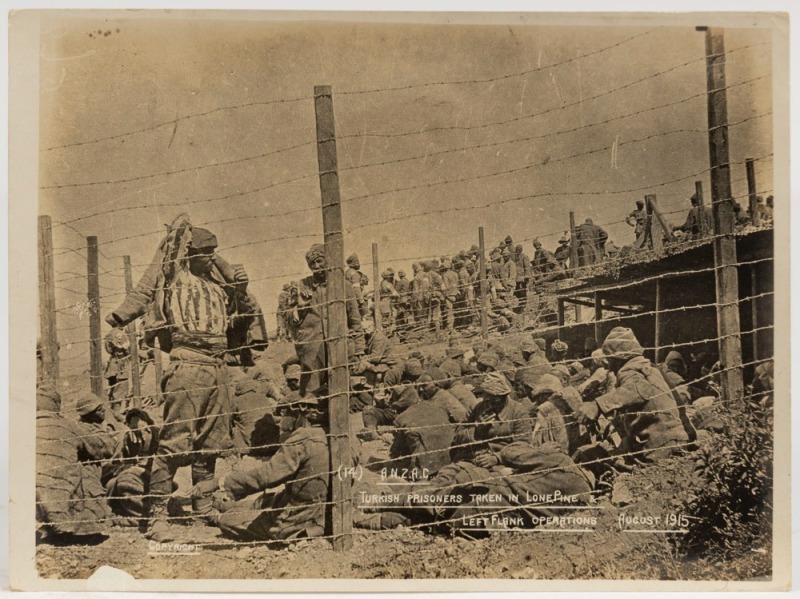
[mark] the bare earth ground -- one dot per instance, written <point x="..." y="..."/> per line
<point x="604" y="553"/>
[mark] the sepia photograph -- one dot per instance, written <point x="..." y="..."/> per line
<point x="418" y="299"/>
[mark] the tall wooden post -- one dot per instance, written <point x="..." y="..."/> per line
<point x="376" y="295"/>
<point x="573" y="245"/>
<point x="47" y="303"/>
<point x="484" y="290"/>
<point x="133" y="343"/>
<point x="336" y="331"/>
<point x="698" y="191"/>
<point x="730" y="343"/>
<point x="560" y="316"/>
<point x="598" y="317"/>
<point x="751" y="191"/>
<point x="95" y="340"/>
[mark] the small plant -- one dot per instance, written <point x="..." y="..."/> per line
<point x="731" y="508"/>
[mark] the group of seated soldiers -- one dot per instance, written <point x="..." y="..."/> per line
<point x="505" y="420"/>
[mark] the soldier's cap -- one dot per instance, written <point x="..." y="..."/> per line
<point x="317" y="398"/>
<point x="286" y="286"/>
<point x="622" y="343"/>
<point x="458" y="263"/>
<point x="352" y="259"/>
<point x="446" y="263"/>
<point x="564" y="239"/>
<point x="506" y="252"/>
<point x="560" y="371"/>
<point x="435" y="262"/>
<point x="495" y="255"/>
<point x="401" y="273"/>
<point x="368" y="324"/>
<point x="203" y="239"/>
<point x="454" y="352"/>
<point x="508" y="240"/>
<point x="640" y="203"/>
<point x="47" y="399"/>
<point x="537" y="242"/>
<point x="292" y="372"/>
<point x="559" y="346"/>
<point x="519" y="248"/>
<point x="315" y="251"/>
<point x="495" y="384"/>
<point x="547" y="385"/>
<point x="437" y="375"/>
<point x="88" y="404"/>
<point x="575" y="367"/>
<point x="417" y="355"/>
<point x="474" y="249"/>
<point x="528" y="346"/>
<point x="140" y="413"/>
<point x="541" y="343"/>
<point x="450" y="368"/>
<point x="413" y="367"/>
<point x="489" y="358"/>
<point x="388" y="273"/>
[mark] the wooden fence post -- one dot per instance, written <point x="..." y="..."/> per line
<point x="133" y="343"/>
<point x="93" y="297"/>
<point x="484" y="290"/>
<point x="376" y="285"/>
<point x="338" y="372"/>
<point x="47" y="303"/>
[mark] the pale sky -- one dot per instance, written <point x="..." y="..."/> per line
<point x="107" y="79"/>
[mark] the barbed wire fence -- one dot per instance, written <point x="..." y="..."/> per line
<point x="108" y="285"/>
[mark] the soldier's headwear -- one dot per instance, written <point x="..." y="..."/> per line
<point x="547" y="385"/>
<point x="495" y="384"/>
<point x="589" y="221"/>
<point x="47" y="399"/>
<point x="435" y="262"/>
<point x="454" y="352"/>
<point x="622" y="343"/>
<point x="88" y="404"/>
<point x="508" y="240"/>
<point x="536" y="242"/>
<point x="693" y="199"/>
<point x="564" y="239"/>
<point x="387" y="274"/>
<point x="505" y="252"/>
<point x="446" y="263"/>
<point x="316" y="251"/>
<point x="437" y="375"/>
<point x="562" y="372"/>
<point x="413" y="367"/>
<point x="540" y="342"/>
<point x="450" y="368"/>
<point x="457" y="263"/>
<point x="317" y="399"/>
<point x="401" y="273"/>
<point x="489" y="358"/>
<point x="286" y="286"/>
<point x="203" y="239"/>
<point x="559" y="347"/>
<point x="528" y="346"/>
<point x="368" y="324"/>
<point x="352" y="260"/>
<point x="292" y="372"/>
<point x="418" y="355"/>
<point x="640" y="203"/>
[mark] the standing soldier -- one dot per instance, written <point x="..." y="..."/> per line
<point x="204" y="318"/>
<point x="508" y="274"/>
<point x="358" y="280"/>
<point x="435" y="295"/>
<point x="280" y="315"/>
<point x="591" y="243"/>
<point x="311" y="324"/>
<point x="562" y="252"/>
<point x="387" y="300"/>
<point x="119" y="362"/>
<point x="465" y="292"/>
<point x="450" y="291"/>
<point x="698" y="222"/>
<point x="405" y="314"/>
<point x="523" y="265"/>
<point x="638" y="220"/>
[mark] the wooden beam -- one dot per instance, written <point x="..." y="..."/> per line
<point x="727" y="280"/>
<point x="573" y="246"/>
<point x="341" y="510"/>
<point x="93" y="298"/>
<point x="751" y="191"/>
<point x="656" y="238"/>
<point x="698" y="191"/>
<point x="47" y="304"/>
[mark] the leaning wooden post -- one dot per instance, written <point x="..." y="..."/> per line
<point x="95" y="340"/>
<point x="336" y="342"/>
<point x="573" y="246"/>
<point x="751" y="191"/>
<point x="484" y="290"/>
<point x="730" y="343"/>
<point x="376" y="285"/>
<point x="133" y="343"/>
<point x="47" y="303"/>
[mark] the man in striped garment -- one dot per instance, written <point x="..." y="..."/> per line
<point x="203" y="316"/>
